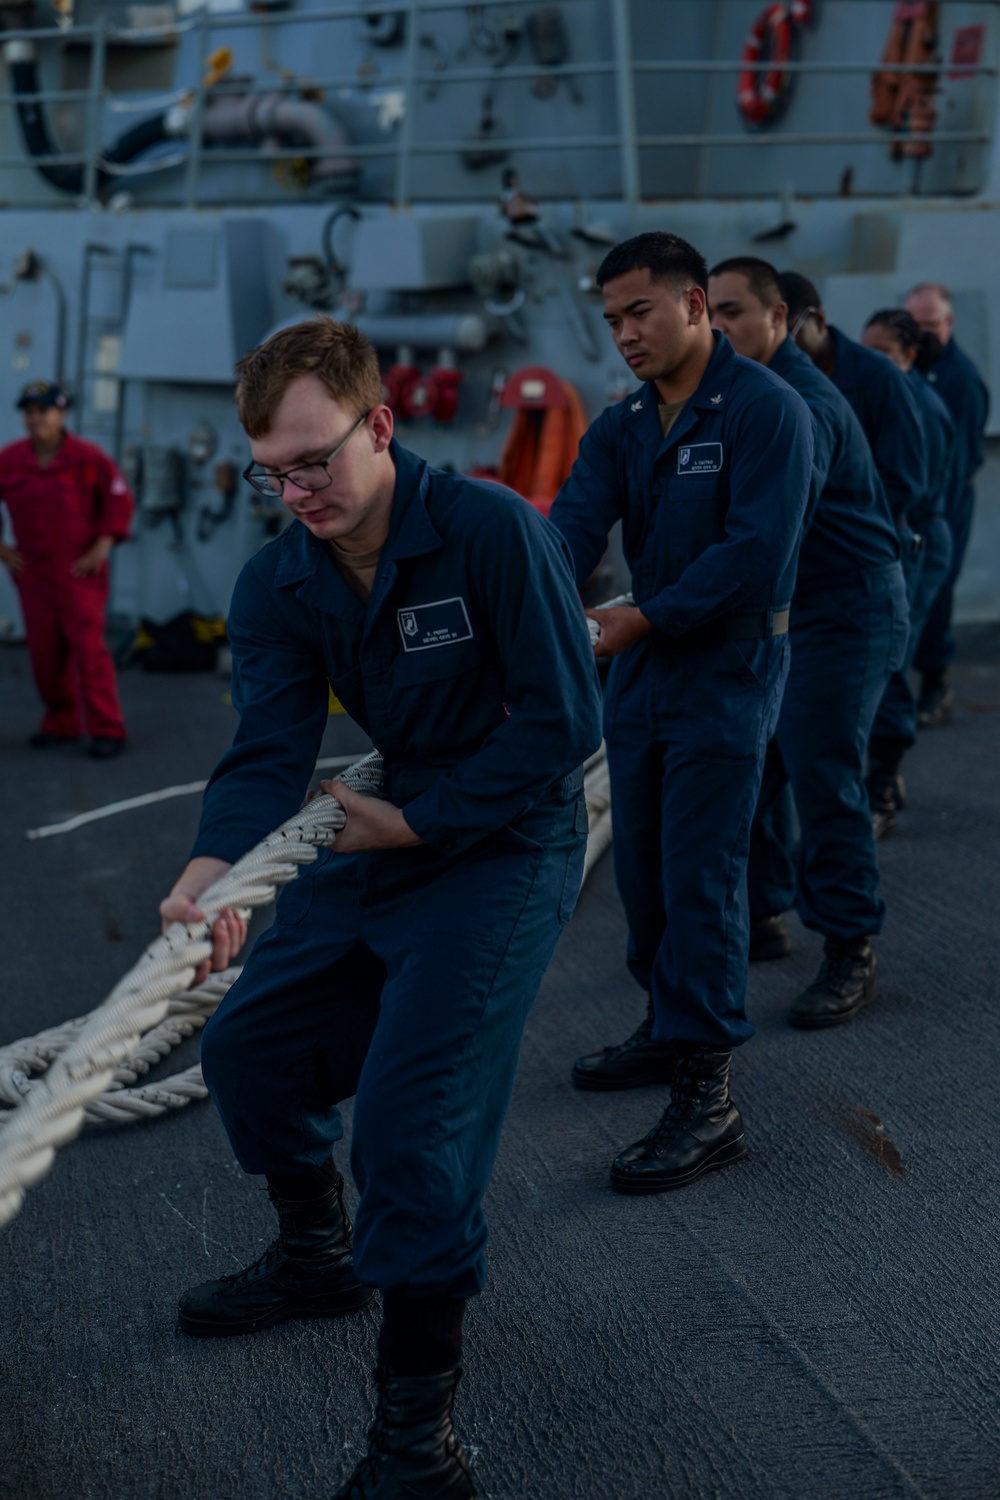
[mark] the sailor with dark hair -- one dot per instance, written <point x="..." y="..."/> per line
<point x="711" y="526"/>
<point x="893" y="332"/>
<point x="69" y="507"/>
<point x="879" y="393"/>
<point x="960" y="386"/>
<point x="848" y="628"/>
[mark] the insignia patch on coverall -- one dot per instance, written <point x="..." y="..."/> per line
<point x="699" y="458"/>
<point x="438" y="624"/>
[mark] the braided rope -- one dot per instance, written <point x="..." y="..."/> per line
<point x="52" y="1111"/>
<point x="92" y="1063"/>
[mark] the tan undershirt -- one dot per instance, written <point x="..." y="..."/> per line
<point x="669" y="414"/>
<point x="357" y="569"/>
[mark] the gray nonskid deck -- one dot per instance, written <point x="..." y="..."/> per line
<point x="817" y="1323"/>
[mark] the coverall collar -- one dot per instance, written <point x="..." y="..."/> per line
<point x="786" y="357"/>
<point x="711" y="395"/>
<point x="307" y="561"/>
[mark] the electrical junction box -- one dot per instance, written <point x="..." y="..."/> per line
<point x="413" y="252"/>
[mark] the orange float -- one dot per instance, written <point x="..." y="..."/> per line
<point x="905" y="101"/>
<point x="765" y="84"/>
<point x="541" y="446"/>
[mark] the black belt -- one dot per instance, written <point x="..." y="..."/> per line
<point x="755" y="627"/>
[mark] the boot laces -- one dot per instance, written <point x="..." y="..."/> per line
<point x="686" y="1093"/>
<point x="260" y="1266"/>
<point x="838" y="969"/>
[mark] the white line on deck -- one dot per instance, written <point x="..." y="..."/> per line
<point x="187" y="789"/>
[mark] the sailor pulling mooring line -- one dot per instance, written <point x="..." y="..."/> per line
<point x="402" y="964"/>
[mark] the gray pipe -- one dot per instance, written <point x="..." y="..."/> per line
<point x="465" y="331"/>
<point x="256" y="117"/>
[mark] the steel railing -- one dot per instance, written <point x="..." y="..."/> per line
<point x="405" y="149"/>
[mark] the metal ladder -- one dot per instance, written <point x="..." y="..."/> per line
<point x="99" y="390"/>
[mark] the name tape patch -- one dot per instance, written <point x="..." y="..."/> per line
<point x="699" y="458"/>
<point x="424" y="626"/>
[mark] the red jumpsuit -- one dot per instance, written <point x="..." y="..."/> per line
<point x="58" y="512"/>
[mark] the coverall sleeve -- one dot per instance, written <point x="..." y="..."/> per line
<point x="551" y="692"/>
<point x="826" y="445"/>
<point x="588" y="505"/>
<point x="899" y="446"/>
<point x="771" y="447"/>
<point x="281" y="693"/>
<point x="114" y="506"/>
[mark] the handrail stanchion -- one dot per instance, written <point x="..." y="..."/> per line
<point x="193" y="171"/>
<point x="404" y="159"/>
<point x="98" y="56"/>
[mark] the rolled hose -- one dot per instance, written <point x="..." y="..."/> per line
<point x="67" y="177"/>
<point x="247" y="117"/>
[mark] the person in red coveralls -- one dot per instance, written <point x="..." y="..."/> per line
<point x="68" y="506"/>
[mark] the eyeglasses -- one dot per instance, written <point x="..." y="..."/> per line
<point x="806" y="312"/>
<point x="315" y="476"/>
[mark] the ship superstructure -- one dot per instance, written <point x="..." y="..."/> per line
<point x="181" y="178"/>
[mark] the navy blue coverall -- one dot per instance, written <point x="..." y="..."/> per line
<point x="848" y="632"/>
<point x="897" y="715"/>
<point x="886" y="407"/>
<point x="960" y="386"/>
<point x="404" y="976"/>
<point x="711" y="523"/>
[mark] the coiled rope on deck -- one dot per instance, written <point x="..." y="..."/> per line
<point x="120" y="1104"/>
<point x="84" y="1071"/>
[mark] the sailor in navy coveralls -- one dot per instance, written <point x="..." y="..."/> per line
<point x="707" y="466"/>
<point x="880" y="396"/>
<point x="401" y="966"/>
<point x="962" y="389"/>
<point x="896" y="334"/>
<point x="848" y="633"/>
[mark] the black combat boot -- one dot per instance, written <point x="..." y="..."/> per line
<point x="700" y="1128"/>
<point x="847" y="980"/>
<point x="936" y="701"/>
<point x="413" y="1450"/>
<point x="886" y="789"/>
<point x="306" y="1273"/>
<point x="769" y="939"/>
<point x="631" y="1064"/>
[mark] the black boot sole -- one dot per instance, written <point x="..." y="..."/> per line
<point x="823" y="1023"/>
<point x="340" y="1306"/>
<point x="615" y="1085"/>
<point x="724" y="1156"/>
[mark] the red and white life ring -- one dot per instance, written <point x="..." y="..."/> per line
<point x="764" y="83"/>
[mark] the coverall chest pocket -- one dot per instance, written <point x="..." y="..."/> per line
<point x="434" y="663"/>
<point x="691" y="519"/>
